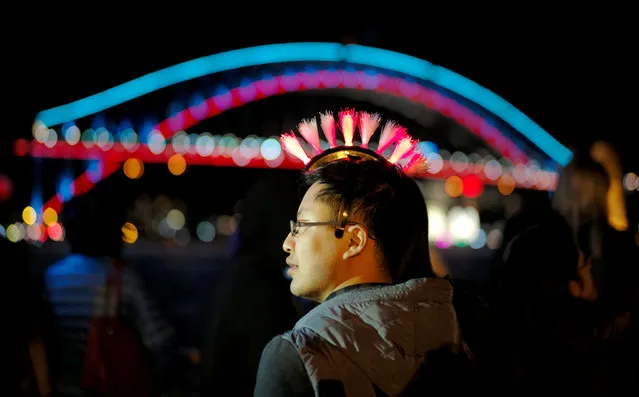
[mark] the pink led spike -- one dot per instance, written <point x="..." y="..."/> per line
<point x="308" y="129"/>
<point x="328" y="126"/>
<point x="391" y="133"/>
<point x="292" y="145"/>
<point x="368" y="124"/>
<point x="347" y="123"/>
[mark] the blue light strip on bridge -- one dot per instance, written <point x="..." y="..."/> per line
<point x="312" y="52"/>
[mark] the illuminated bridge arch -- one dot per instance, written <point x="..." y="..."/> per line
<point x="313" y="52"/>
<point x="316" y="66"/>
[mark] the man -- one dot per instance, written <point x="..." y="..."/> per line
<point x="76" y="290"/>
<point x="358" y="243"/>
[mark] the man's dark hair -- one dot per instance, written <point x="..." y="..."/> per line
<point x="388" y="203"/>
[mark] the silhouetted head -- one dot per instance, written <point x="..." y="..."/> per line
<point x="265" y="212"/>
<point x="93" y="227"/>
<point x="581" y="195"/>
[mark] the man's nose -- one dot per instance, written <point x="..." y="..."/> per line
<point x="289" y="244"/>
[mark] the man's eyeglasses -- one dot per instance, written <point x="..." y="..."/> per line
<point x="295" y="226"/>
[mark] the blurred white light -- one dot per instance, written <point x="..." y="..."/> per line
<point x="156" y="142"/>
<point x="40" y="131"/>
<point x="227" y="145"/>
<point x="520" y="174"/>
<point x="463" y="224"/>
<point x="103" y="138"/>
<point x="239" y="159"/>
<point x="88" y="138"/>
<point x="250" y="147"/>
<point x="72" y="135"/>
<point x="270" y="149"/>
<point x="34" y="232"/>
<point x="437" y="224"/>
<point x="175" y="219"/>
<point x="435" y="163"/>
<point x="129" y="139"/>
<point x="51" y="138"/>
<point x="492" y="169"/>
<point x="205" y="145"/>
<point x="459" y="161"/>
<point x="180" y="142"/>
<point x="205" y="231"/>
<point x="630" y="181"/>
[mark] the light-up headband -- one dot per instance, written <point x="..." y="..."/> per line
<point x="403" y="154"/>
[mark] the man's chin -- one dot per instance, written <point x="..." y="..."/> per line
<point x="293" y="289"/>
<point x="297" y="291"/>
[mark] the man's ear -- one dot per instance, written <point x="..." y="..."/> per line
<point x="357" y="240"/>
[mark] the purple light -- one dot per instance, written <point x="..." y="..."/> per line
<point x="223" y="99"/>
<point x="247" y="91"/>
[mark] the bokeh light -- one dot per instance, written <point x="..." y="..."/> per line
<point x="453" y="186"/>
<point x="175" y="219"/>
<point x="133" y="168"/>
<point x="506" y="185"/>
<point x="177" y="164"/>
<point x="129" y="233"/>
<point x="29" y="215"/>
<point x="49" y="216"/>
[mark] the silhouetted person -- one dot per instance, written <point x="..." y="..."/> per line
<point x="567" y="301"/>
<point x="251" y="303"/>
<point x="529" y="215"/>
<point x="76" y="289"/>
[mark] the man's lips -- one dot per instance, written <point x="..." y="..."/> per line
<point x="292" y="268"/>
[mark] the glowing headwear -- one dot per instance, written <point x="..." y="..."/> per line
<point x="403" y="154"/>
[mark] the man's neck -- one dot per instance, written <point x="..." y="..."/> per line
<point x="357" y="280"/>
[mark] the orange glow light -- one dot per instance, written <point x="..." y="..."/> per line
<point x="453" y="186"/>
<point x="177" y="164"/>
<point x="133" y="168"/>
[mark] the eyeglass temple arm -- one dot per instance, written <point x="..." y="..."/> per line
<point x="341" y="221"/>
